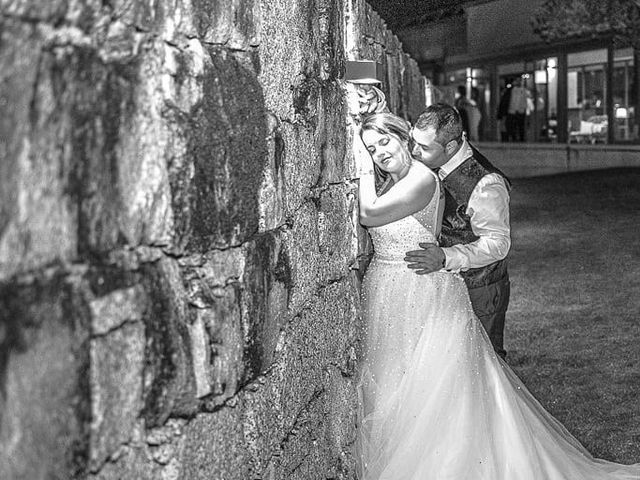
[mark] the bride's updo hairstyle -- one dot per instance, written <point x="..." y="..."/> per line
<point x="389" y="124"/>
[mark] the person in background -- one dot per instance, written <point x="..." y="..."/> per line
<point x="517" y="113"/>
<point x="474" y="115"/>
<point x="503" y="111"/>
<point x="463" y="105"/>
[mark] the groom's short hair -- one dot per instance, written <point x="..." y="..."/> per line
<point x="444" y="118"/>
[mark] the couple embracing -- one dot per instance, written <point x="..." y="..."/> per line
<point x="437" y="400"/>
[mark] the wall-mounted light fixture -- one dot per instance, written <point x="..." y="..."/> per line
<point x="367" y="72"/>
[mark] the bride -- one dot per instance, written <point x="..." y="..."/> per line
<point x="436" y="402"/>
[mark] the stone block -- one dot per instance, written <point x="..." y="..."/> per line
<point x="303" y="452"/>
<point x="111" y="120"/>
<point x="285" y="50"/>
<point x="181" y="78"/>
<point x="204" y="274"/>
<point x="43" y="380"/>
<point x="38" y="220"/>
<point x="169" y="384"/>
<point x="272" y="194"/>
<point x="166" y="445"/>
<point x="329" y="324"/>
<point x="229" y="367"/>
<point x="264" y="300"/>
<point x="115" y="309"/>
<point x="305" y="259"/>
<point x="116" y="376"/>
<point x="291" y="395"/>
<point x="215" y="447"/>
<point x="110" y="24"/>
<point x="336" y="231"/>
<point x="232" y="23"/>
<point x="88" y="135"/>
<point x="176" y="20"/>
<point x="165" y="434"/>
<point x="201" y="355"/>
<point x="142" y="180"/>
<point x="302" y="164"/>
<point x="413" y="90"/>
<point x="217" y="348"/>
<point x="142" y="16"/>
<point x="329" y="16"/>
<point x="340" y="421"/>
<point x="238" y="316"/>
<point x="131" y="463"/>
<point x="331" y="138"/>
<point x="80" y="14"/>
<point x="216" y="191"/>
<point x="395" y="70"/>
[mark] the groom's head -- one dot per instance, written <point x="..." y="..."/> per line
<point x="437" y="135"/>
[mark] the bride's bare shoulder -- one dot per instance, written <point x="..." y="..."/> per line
<point x="421" y="172"/>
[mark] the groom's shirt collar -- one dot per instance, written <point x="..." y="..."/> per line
<point x="460" y="156"/>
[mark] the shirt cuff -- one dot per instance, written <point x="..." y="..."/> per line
<point x="451" y="264"/>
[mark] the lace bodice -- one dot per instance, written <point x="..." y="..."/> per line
<point x="393" y="240"/>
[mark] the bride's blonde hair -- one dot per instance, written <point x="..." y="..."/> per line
<point x="389" y="124"/>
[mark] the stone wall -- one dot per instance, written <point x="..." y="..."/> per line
<point x="178" y="236"/>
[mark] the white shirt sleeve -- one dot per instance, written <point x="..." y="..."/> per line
<point x="488" y="210"/>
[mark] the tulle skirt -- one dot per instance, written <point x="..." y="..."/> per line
<point x="436" y="402"/>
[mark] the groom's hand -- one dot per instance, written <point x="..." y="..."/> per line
<point x="430" y="259"/>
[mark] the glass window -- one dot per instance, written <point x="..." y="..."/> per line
<point x="624" y="101"/>
<point x="586" y="96"/>
<point x="469" y="90"/>
<point x="528" y="104"/>
<point x="544" y="116"/>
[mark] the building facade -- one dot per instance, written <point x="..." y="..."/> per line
<point x="580" y="89"/>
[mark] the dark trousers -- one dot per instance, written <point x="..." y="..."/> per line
<point x="490" y="304"/>
<point x="515" y="127"/>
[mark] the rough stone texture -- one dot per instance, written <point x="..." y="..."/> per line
<point x="180" y="255"/>
<point x="44" y="372"/>
<point x="37" y="220"/>
<point x="228" y="147"/>
<point x="169" y="386"/>
<point x="116" y="366"/>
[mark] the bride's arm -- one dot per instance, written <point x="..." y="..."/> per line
<point x="408" y="196"/>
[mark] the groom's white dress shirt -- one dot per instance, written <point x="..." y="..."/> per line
<point x="488" y="209"/>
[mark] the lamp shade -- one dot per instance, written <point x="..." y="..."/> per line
<point x="363" y="71"/>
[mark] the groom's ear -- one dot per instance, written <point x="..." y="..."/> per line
<point x="450" y="147"/>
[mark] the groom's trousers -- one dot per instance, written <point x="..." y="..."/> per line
<point x="490" y="304"/>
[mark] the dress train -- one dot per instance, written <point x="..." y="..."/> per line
<point x="436" y="402"/>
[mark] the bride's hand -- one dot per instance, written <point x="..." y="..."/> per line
<point x="371" y="100"/>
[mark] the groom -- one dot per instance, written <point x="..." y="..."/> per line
<point x="475" y="236"/>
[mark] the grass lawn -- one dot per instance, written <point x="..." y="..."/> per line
<point x="573" y="326"/>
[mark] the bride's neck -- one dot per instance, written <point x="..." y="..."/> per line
<point x="397" y="176"/>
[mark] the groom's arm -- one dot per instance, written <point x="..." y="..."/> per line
<point x="488" y="209"/>
<point x="489" y="216"/>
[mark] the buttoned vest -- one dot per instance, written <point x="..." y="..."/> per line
<point x="456" y="224"/>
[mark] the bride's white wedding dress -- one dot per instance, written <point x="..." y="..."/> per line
<point x="436" y="402"/>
